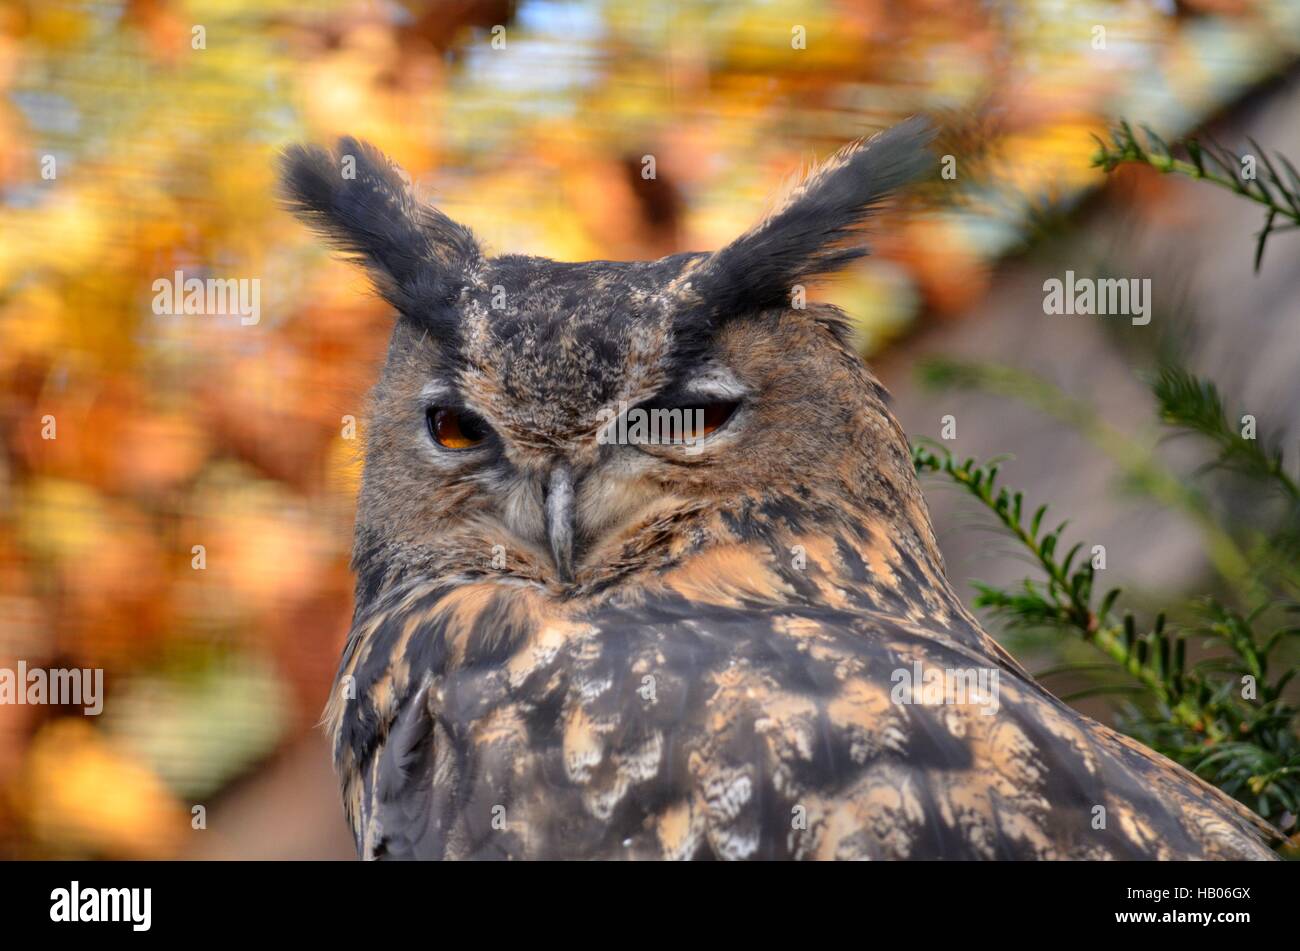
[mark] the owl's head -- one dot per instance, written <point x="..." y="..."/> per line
<point x="569" y="423"/>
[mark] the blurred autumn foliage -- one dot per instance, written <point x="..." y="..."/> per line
<point x="141" y="140"/>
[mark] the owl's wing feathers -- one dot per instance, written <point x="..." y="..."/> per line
<point x="487" y="725"/>
<point x="403" y="823"/>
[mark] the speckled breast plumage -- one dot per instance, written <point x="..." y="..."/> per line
<point x="736" y="707"/>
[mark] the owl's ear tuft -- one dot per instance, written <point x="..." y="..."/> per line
<point x="808" y="233"/>
<point x="362" y="203"/>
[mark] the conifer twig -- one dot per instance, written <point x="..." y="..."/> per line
<point x="1278" y="192"/>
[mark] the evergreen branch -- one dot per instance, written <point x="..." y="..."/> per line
<point x="1136" y="458"/>
<point x="1187" y="402"/>
<point x="1280" y="195"/>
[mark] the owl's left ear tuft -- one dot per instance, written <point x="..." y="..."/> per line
<point x="808" y="233"/>
<point x="363" y="204"/>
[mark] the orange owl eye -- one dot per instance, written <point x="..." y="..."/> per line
<point x="716" y="415"/>
<point x="456" y="428"/>
<point x="695" y="421"/>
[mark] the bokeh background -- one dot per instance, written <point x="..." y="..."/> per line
<point x="163" y="119"/>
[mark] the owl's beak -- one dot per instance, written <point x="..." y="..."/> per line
<point x="559" y="519"/>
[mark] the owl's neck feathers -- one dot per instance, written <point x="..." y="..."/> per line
<point x="863" y="547"/>
<point x="796" y="547"/>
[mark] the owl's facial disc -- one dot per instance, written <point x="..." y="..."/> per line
<point x="565" y="493"/>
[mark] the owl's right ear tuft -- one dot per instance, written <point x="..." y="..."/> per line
<point x="362" y="202"/>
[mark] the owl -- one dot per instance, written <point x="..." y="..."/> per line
<point x="644" y="570"/>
